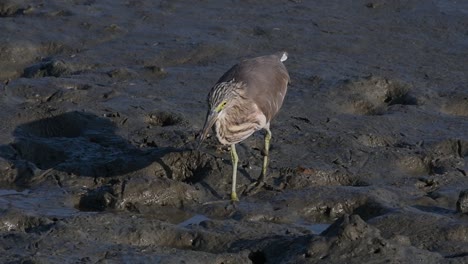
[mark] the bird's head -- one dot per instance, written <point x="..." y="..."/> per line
<point x="222" y="96"/>
<point x="211" y="117"/>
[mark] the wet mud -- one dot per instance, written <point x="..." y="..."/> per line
<point x="102" y="102"/>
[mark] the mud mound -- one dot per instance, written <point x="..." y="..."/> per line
<point x="372" y="95"/>
<point x="307" y="177"/>
<point x="174" y="178"/>
<point x="14" y="8"/>
<point x="455" y="104"/>
<point x="141" y="194"/>
<point x="414" y="225"/>
<point x="48" y="68"/>
<point x="349" y="239"/>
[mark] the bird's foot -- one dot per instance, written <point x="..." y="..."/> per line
<point x="254" y="188"/>
<point x="257" y="186"/>
<point x="234" y="197"/>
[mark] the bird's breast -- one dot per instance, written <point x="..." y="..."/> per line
<point x="234" y="125"/>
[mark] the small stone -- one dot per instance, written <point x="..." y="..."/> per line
<point x="462" y="203"/>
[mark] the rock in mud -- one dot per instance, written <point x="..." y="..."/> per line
<point x="462" y="203"/>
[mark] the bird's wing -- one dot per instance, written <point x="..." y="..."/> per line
<point x="266" y="81"/>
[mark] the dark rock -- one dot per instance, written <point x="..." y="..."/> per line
<point x="462" y="203"/>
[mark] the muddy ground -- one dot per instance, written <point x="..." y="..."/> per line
<point x="101" y="102"/>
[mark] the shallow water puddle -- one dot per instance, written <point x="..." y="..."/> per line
<point x="5" y="192"/>
<point x="316" y="228"/>
<point x="46" y="203"/>
<point x="194" y="220"/>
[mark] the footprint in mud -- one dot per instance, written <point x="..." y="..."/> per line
<point x="163" y="128"/>
<point x="371" y="95"/>
<point x="163" y="119"/>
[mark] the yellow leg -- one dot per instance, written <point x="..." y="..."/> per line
<point x="265" y="158"/>
<point x="234" y="159"/>
<point x="256" y="186"/>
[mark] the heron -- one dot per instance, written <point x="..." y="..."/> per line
<point x="244" y="100"/>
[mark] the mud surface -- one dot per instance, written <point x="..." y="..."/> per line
<point x="101" y="102"/>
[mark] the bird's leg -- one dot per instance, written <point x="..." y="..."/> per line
<point x="255" y="187"/>
<point x="234" y="159"/>
<point x="262" y="177"/>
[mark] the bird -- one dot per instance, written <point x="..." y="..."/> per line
<point x="244" y="100"/>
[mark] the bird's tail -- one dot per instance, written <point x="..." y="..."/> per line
<point x="284" y="56"/>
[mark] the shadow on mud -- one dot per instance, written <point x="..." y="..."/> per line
<point x="78" y="143"/>
<point x="80" y="147"/>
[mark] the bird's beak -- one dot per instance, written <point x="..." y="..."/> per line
<point x="210" y="120"/>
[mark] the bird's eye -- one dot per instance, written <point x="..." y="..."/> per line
<point x="221" y="106"/>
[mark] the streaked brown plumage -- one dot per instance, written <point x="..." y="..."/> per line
<point x="244" y="100"/>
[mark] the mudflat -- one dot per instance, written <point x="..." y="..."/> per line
<point x="102" y="101"/>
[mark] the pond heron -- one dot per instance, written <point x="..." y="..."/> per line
<point x="244" y="100"/>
